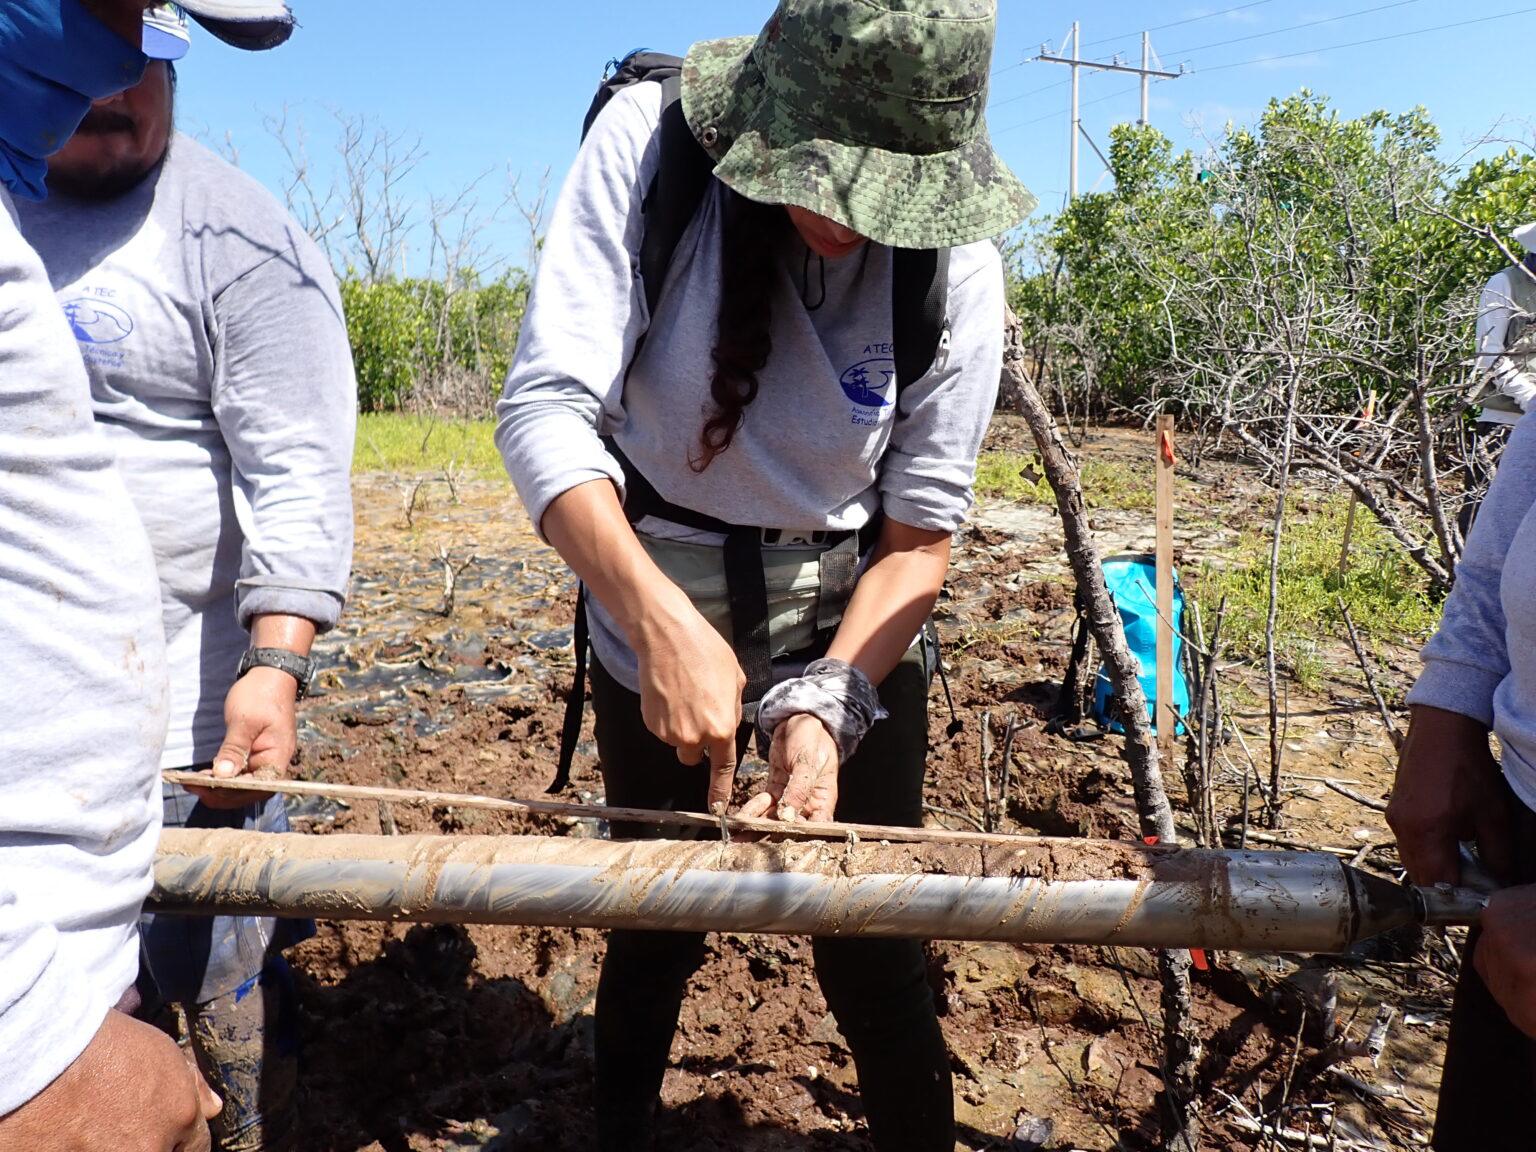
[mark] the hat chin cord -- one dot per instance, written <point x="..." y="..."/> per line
<point x="805" y="280"/>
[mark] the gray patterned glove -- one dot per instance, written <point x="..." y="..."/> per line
<point x="833" y="691"/>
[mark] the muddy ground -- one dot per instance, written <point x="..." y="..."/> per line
<point x="440" y="1038"/>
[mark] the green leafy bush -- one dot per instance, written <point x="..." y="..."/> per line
<point x="419" y="343"/>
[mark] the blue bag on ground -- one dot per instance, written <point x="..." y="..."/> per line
<point x="1132" y="582"/>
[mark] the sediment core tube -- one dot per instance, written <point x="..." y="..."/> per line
<point x="1043" y="891"/>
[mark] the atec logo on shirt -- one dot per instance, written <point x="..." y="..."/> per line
<point x="867" y="382"/>
<point x="97" y="321"/>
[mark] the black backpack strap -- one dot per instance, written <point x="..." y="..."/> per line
<point x="634" y="68"/>
<point x="570" y="727"/>
<point x="919" y="300"/>
<point x="641" y="499"/>
<point x="683" y="174"/>
<point x="746" y="588"/>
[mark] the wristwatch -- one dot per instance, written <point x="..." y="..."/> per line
<point x="301" y="668"/>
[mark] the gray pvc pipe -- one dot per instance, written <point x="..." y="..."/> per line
<point x="1048" y="891"/>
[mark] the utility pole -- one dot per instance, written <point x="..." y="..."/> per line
<point x="1077" y="114"/>
<point x="1146" y="80"/>
<point x="1146" y="72"/>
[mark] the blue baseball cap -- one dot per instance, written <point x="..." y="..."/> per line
<point x="165" y="33"/>
<point x="253" y="25"/>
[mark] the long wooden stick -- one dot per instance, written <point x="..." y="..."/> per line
<point x="805" y="830"/>
<point x="1167" y="719"/>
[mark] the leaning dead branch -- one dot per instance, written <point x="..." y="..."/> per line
<point x="1181" y="1045"/>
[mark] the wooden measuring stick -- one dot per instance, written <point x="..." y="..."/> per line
<point x="800" y="829"/>
<point x="1349" y="535"/>
<point x="1166" y="714"/>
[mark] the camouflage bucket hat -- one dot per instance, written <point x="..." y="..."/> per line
<point x="867" y="112"/>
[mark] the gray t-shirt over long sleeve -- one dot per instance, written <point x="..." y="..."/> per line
<point x="83" y="708"/>
<point x="212" y="331"/>
<point x="1482" y="661"/>
<point x="822" y="446"/>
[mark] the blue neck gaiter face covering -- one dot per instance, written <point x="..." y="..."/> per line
<point x="55" y="58"/>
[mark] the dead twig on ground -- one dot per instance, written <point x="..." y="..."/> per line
<point x="1290" y="1076"/>
<point x="986" y="771"/>
<point x="410" y="496"/>
<point x="953" y="815"/>
<point x="451" y="573"/>
<point x="1342" y="790"/>
<point x="1007" y="769"/>
<point x="1370" y="680"/>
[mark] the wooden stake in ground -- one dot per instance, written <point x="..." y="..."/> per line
<point x="1167" y="719"/>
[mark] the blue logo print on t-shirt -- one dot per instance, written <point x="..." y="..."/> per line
<point x="866" y="382"/>
<point x="97" y="322"/>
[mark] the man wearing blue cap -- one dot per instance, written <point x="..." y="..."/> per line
<point x="84" y="710"/>
<point x="212" y="332"/>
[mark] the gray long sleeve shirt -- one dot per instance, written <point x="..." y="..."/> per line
<point x="1498" y="306"/>
<point x="822" y="447"/>
<point x="220" y="371"/>
<point x="83" y="709"/>
<point x="1482" y="661"/>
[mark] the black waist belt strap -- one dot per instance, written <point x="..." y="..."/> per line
<point x="746" y="589"/>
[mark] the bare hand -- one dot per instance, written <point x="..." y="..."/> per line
<point x="1448" y="789"/>
<point x="131" y="1090"/>
<point x="802" y="774"/>
<point x="261" y="734"/>
<point x="1506" y="954"/>
<point x="690" y="691"/>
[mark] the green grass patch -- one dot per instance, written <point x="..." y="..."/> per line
<point x="397" y="442"/>
<point x="1019" y="477"/>
<point x="1386" y="593"/>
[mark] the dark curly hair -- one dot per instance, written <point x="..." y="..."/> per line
<point x="752" y="238"/>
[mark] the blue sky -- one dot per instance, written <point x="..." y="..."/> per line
<point x="500" y="86"/>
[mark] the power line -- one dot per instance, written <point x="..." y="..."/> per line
<point x="1053" y="115"/>
<point x="1179" y="23"/>
<point x="1372" y="40"/>
<point x="1026" y="95"/>
<point x="1294" y="27"/>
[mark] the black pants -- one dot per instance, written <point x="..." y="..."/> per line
<point x="877" y="989"/>
<point x="1490" y="1065"/>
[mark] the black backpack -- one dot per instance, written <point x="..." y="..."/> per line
<point x="919" y="296"/>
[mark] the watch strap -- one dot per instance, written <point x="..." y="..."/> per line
<point x="301" y="668"/>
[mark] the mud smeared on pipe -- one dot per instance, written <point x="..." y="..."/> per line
<point x="1044" y="891"/>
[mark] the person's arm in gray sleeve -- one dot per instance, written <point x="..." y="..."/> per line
<point x="286" y="402"/>
<point x="1467" y="658"/>
<point x="49" y="1010"/>
<point x="586" y="314"/>
<point x="928" y="471"/>
<point x="1495" y="310"/>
